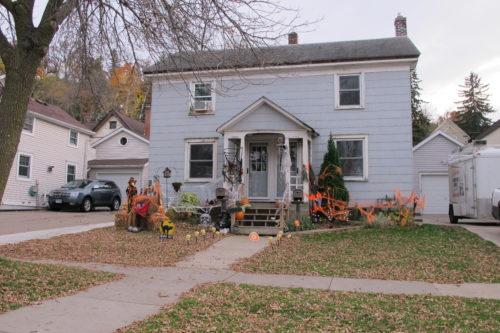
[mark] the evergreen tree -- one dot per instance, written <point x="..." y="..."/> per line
<point x="331" y="177"/>
<point x="472" y="110"/>
<point x="421" y="124"/>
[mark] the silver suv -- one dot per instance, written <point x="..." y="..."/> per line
<point x="86" y="194"/>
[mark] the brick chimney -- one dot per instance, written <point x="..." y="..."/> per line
<point x="293" y="38"/>
<point x="400" y="25"/>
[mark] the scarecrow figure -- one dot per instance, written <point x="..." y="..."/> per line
<point x="131" y="193"/>
<point x="139" y="215"/>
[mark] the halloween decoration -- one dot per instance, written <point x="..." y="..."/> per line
<point x="131" y="193"/>
<point x="232" y="170"/>
<point x="167" y="228"/>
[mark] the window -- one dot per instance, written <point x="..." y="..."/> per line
<point x="70" y="172"/>
<point x="200" y="160"/>
<point x="28" y="124"/>
<point x="24" y="166"/>
<point x="73" y="138"/>
<point x="112" y="124"/>
<point x="202" y="98"/>
<point x="349" y="91"/>
<point x="123" y="141"/>
<point x="353" y="156"/>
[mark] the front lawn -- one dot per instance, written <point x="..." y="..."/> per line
<point x="114" y="246"/>
<point x="429" y="253"/>
<point x="26" y="283"/>
<point x="243" y="308"/>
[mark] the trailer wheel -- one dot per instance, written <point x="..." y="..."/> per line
<point x="453" y="218"/>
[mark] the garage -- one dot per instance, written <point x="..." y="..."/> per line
<point x="121" y="179"/>
<point x="435" y="189"/>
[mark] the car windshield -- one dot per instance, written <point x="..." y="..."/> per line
<point x="77" y="183"/>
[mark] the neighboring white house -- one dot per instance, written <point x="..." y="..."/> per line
<point x="121" y="150"/>
<point x="430" y="159"/>
<point x="53" y="150"/>
<point x="492" y="134"/>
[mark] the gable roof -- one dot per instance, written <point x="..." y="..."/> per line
<point x="120" y="130"/>
<point x="449" y="127"/>
<point x="295" y="54"/>
<point x="489" y="130"/>
<point x="53" y="113"/>
<point x="129" y="123"/>
<point x="256" y="105"/>
<point x="435" y="134"/>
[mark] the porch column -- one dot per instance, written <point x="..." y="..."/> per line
<point x="288" y="181"/>
<point x="305" y="161"/>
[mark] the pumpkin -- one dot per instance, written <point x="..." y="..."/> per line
<point x="239" y="215"/>
<point x="245" y="201"/>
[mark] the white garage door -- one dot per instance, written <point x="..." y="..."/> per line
<point x="121" y="179"/>
<point x="435" y="189"/>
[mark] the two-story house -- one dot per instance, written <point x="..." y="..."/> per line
<point x="275" y="108"/>
<point x="52" y="151"/>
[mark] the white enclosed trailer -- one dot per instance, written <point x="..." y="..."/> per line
<point x="474" y="173"/>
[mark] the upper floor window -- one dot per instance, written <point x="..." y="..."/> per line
<point x="353" y="156"/>
<point x="112" y="124"/>
<point x="200" y="161"/>
<point x="24" y="166"/>
<point x="73" y="138"/>
<point x="70" y="172"/>
<point x="349" y="91"/>
<point x="203" y="99"/>
<point x="28" y="124"/>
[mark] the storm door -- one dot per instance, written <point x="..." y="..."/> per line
<point x="258" y="171"/>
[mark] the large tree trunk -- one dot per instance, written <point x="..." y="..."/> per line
<point x="18" y="85"/>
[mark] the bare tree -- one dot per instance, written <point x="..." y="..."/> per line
<point x="131" y="28"/>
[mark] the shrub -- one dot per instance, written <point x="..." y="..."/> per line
<point x="305" y="224"/>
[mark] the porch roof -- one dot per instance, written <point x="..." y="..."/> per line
<point x="274" y="108"/>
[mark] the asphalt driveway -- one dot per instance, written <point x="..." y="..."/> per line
<point x="24" y="221"/>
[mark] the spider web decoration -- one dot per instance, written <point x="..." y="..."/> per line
<point x="232" y="170"/>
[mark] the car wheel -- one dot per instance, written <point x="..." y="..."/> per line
<point x="453" y="218"/>
<point x="54" y="207"/>
<point x="86" y="205"/>
<point x="115" y="205"/>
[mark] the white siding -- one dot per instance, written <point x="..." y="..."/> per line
<point x="112" y="149"/>
<point x="104" y="130"/>
<point x="493" y="138"/>
<point x="49" y="145"/>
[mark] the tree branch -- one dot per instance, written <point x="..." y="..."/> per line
<point x="5" y="47"/>
<point x="9" y="5"/>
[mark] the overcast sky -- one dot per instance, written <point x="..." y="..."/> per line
<point x="453" y="36"/>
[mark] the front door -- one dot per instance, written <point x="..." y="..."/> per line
<point x="258" y="170"/>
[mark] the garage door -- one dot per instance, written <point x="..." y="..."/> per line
<point x="121" y="179"/>
<point x="435" y="189"/>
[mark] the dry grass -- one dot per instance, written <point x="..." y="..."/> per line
<point x="227" y="307"/>
<point x="429" y="253"/>
<point x="26" y="283"/>
<point x="113" y="246"/>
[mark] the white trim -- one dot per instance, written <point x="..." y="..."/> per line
<point x="121" y="129"/>
<point x="435" y="134"/>
<point x="192" y="111"/>
<point x="66" y="173"/>
<point x="254" y="106"/>
<point x="318" y="69"/>
<point x="187" y="158"/>
<point x="62" y="123"/>
<point x="32" y="133"/>
<point x="120" y="141"/>
<point x="22" y="178"/>
<point x="77" y="138"/>
<point x="361" y="105"/>
<point x="364" y="138"/>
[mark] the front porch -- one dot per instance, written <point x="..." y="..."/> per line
<point x="273" y="149"/>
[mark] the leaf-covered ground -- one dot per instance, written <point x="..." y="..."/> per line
<point x="113" y="246"/>
<point x="243" y="308"/>
<point x="26" y="283"/>
<point x="429" y="253"/>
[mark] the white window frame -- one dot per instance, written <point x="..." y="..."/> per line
<point x="67" y="165"/>
<point x="115" y="123"/>
<point x="192" y="99"/>
<point x="361" y="91"/>
<point x="19" y="177"/>
<point x="364" y="138"/>
<point x="77" y="138"/>
<point x="32" y="133"/>
<point x="187" y="159"/>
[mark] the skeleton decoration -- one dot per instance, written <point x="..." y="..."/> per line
<point x="205" y="219"/>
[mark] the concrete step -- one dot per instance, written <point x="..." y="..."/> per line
<point x="245" y="230"/>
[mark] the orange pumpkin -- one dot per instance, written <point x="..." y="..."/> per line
<point x="245" y="201"/>
<point x="239" y="215"/>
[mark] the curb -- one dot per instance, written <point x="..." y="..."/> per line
<point x="322" y="231"/>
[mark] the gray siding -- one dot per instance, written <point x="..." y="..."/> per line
<point x="112" y="149"/>
<point x="386" y="120"/>
<point x="432" y="157"/>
